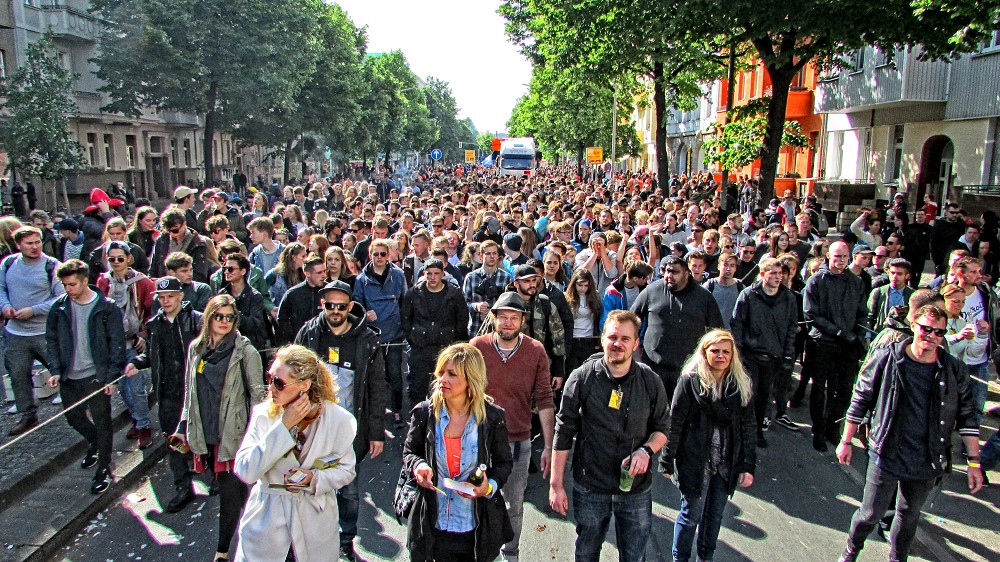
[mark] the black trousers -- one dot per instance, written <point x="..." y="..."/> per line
<point x="764" y="373"/>
<point x="880" y="487"/>
<point x="170" y="416"/>
<point x="669" y="376"/>
<point x="233" y="495"/>
<point x="581" y="349"/>
<point x="454" y="547"/>
<point x="97" y="428"/>
<point x="421" y="362"/>
<point x="834" y="367"/>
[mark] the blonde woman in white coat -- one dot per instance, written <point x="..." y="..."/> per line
<point x="298" y="451"/>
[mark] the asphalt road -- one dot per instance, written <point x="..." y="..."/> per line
<point x="798" y="509"/>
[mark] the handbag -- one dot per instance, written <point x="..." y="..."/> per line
<point x="405" y="495"/>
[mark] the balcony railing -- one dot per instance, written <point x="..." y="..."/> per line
<point x="988" y="189"/>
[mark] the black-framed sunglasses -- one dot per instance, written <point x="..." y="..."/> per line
<point x="220" y="317"/>
<point x="928" y="330"/>
<point x="117" y="259"/>
<point x="278" y="384"/>
<point x="229" y="268"/>
<point x="379" y="254"/>
<point x="337" y="306"/>
<point x="175" y="230"/>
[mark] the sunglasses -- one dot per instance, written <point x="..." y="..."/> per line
<point x="175" y="230"/>
<point x="279" y="384"/>
<point x="353" y="230"/>
<point x="229" y="269"/>
<point x="220" y="317"/>
<point x="928" y="330"/>
<point x="697" y="230"/>
<point x="379" y="254"/>
<point x="438" y="225"/>
<point x="337" y="306"/>
<point x="117" y="259"/>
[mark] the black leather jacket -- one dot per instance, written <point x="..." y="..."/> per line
<point x="877" y="392"/>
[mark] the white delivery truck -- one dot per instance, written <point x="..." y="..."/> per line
<point x="517" y="156"/>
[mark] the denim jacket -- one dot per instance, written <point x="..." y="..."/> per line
<point x="455" y="513"/>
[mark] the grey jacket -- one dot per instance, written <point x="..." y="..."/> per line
<point x="237" y="400"/>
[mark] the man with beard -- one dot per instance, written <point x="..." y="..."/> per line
<point x="675" y="311"/>
<point x="945" y="233"/>
<point x="917" y="245"/>
<point x="349" y="347"/>
<point x="517" y="374"/>
<point x="599" y="394"/>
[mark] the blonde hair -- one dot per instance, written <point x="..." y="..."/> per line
<point x="305" y="366"/>
<point x="468" y="360"/>
<point x="698" y="363"/>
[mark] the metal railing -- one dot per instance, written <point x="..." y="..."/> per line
<point x="986" y="189"/>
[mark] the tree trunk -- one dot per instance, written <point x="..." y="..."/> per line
<point x="62" y="181"/>
<point x="210" y="126"/>
<point x="660" y="134"/>
<point x="287" y="168"/>
<point x="781" y="80"/>
<point x="385" y="162"/>
<point x="730" y="92"/>
<point x="579" y="159"/>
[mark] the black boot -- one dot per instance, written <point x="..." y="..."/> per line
<point x="184" y="496"/>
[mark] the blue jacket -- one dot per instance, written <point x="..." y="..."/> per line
<point x="383" y="299"/>
<point x="107" y="338"/>
<point x="614" y="299"/>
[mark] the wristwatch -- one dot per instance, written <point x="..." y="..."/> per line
<point x="648" y="449"/>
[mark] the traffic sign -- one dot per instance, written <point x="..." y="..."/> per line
<point x="436" y="154"/>
<point x="595" y="155"/>
<point x="470" y="156"/>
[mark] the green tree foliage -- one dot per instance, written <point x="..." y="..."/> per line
<point x="789" y="35"/>
<point x="740" y="141"/>
<point x="566" y="112"/>
<point x="228" y="61"/>
<point x="485" y="142"/>
<point x="444" y="112"/>
<point x="39" y="101"/>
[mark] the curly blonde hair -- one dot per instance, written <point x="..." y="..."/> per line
<point x="305" y="366"/>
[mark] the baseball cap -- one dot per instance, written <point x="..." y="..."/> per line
<point x="221" y="195"/>
<point x="513" y="241"/>
<point x="524" y="271"/>
<point x="862" y="249"/>
<point x="168" y="284"/>
<point x="182" y="191"/>
<point x="116" y="245"/>
<point x="68" y="224"/>
<point x="509" y="301"/>
<point x="337" y="285"/>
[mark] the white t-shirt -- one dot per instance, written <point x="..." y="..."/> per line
<point x="974" y="311"/>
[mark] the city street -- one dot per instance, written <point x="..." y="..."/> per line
<point x="798" y="509"/>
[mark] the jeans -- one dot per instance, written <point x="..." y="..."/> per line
<point x="989" y="453"/>
<point x="348" y="505"/>
<point x="96" y="429"/>
<point x="764" y="373"/>
<point x="633" y="522"/>
<point x="704" y="514"/>
<point x="980" y="388"/>
<point x="393" y="355"/>
<point x="880" y="486"/>
<point x="834" y="368"/>
<point x="133" y="391"/>
<point x="513" y="493"/>
<point x="20" y="355"/>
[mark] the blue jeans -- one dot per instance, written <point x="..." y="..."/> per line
<point x="349" y="504"/>
<point x="980" y="390"/>
<point x="989" y="453"/>
<point x="703" y="513"/>
<point x="633" y="522"/>
<point x="133" y="391"/>
<point x="513" y="493"/>
<point x="19" y="357"/>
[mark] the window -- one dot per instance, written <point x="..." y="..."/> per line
<point x="857" y="60"/>
<point x="897" y="151"/>
<point x="131" y="152"/>
<point x="173" y="152"/>
<point x="32" y="3"/>
<point x="187" y="153"/>
<point x="884" y="58"/>
<point x="3" y="65"/>
<point x="92" y="148"/>
<point x="64" y="60"/>
<point x="156" y="144"/>
<point x="109" y="151"/>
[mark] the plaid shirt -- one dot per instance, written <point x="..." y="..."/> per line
<point x="475" y="293"/>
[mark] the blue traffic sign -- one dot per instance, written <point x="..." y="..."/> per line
<point x="436" y="154"/>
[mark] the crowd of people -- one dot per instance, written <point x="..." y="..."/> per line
<point x="634" y="327"/>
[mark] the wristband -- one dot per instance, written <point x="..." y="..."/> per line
<point x="648" y="450"/>
<point x="848" y="443"/>
<point x="489" y="488"/>
<point x="973" y="464"/>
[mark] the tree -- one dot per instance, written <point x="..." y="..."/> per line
<point x="740" y="141"/>
<point x="789" y="35"/>
<point x="227" y="61"/>
<point x="627" y="38"/>
<point x="443" y="110"/>
<point x="36" y="133"/>
<point x="485" y="142"/>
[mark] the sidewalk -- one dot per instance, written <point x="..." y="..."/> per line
<point x="45" y="497"/>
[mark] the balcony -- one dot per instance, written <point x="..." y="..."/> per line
<point x="800" y="104"/>
<point x="906" y="81"/>
<point x="69" y="23"/>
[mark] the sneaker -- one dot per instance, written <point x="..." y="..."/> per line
<point x="786" y="422"/>
<point x="102" y="480"/>
<point x="12" y="409"/>
<point x="57" y="400"/>
<point x="761" y="442"/>
<point x="89" y="459"/>
<point x="145" y="438"/>
<point x="184" y="496"/>
<point x="347" y="551"/>
<point x="133" y="432"/>
<point x="23" y="426"/>
<point x="766" y="424"/>
<point x="819" y="443"/>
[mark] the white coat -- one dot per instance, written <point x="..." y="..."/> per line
<point x="274" y="518"/>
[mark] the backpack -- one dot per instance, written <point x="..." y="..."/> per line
<point x="8" y="262"/>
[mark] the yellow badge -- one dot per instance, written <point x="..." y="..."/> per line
<point x="201" y="366"/>
<point x="333" y="355"/>
<point x="616" y="399"/>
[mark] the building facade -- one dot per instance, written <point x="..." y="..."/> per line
<point x="150" y="154"/>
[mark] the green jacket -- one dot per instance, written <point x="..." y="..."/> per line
<point x="237" y="400"/>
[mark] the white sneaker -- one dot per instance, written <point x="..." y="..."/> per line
<point x="12" y="410"/>
<point x="766" y="424"/>
<point x="57" y="400"/>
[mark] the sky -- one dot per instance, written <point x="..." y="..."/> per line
<point x="459" y="41"/>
